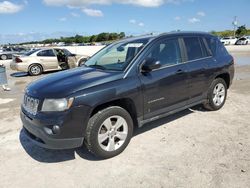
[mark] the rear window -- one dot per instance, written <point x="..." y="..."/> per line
<point x="31" y="52"/>
<point x="193" y="47"/>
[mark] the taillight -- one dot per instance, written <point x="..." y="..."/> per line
<point x="18" y="60"/>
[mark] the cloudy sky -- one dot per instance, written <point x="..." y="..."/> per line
<point x="26" y="20"/>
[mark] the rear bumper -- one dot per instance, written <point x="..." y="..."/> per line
<point x="19" y="67"/>
<point x="41" y="136"/>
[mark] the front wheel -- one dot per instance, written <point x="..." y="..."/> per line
<point x="108" y="132"/>
<point x="217" y="95"/>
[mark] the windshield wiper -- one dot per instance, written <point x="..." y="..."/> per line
<point x="97" y="66"/>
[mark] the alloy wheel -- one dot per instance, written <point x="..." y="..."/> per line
<point x="219" y="94"/>
<point x="112" y="133"/>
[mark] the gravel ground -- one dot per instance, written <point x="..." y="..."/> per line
<point x="193" y="148"/>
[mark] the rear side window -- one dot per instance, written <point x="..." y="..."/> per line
<point x="221" y="50"/>
<point x="193" y="48"/>
<point x="47" y="53"/>
<point x="211" y="44"/>
<point x="167" y="52"/>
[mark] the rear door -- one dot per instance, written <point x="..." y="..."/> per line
<point x="48" y="59"/>
<point x="164" y="89"/>
<point x="198" y="65"/>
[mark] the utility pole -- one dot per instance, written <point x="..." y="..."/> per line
<point x="235" y="23"/>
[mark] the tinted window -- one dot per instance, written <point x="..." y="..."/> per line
<point x="193" y="48"/>
<point x="31" y="52"/>
<point x="211" y="44"/>
<point x="48" y="53"/>
<point x="221" y="50"/>
<point x="167" y="52"/>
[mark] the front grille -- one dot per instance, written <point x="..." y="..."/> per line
<point x="30" y="104"/>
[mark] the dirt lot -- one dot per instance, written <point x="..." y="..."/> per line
<point x="193" y="148"/>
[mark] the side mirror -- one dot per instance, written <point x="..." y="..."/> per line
<point x="150" y="64"/>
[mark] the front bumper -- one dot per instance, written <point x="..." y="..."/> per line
<point x="40" y="131"/>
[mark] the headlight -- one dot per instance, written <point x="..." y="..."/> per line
<point x="56" y="105"/>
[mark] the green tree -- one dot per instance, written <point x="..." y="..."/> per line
<point x="102" y="37"/>
<point x="93" y="38"/>
<point x="121" y="35"/>
<point x="242" y="30"/>
<point x="78" y="39"/>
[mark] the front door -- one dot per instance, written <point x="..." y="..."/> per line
<point x="165" y="89"/>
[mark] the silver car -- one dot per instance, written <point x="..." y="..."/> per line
<point x="42" y="60"/>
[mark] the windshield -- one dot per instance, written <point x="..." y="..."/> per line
<point x="117" y="56"/>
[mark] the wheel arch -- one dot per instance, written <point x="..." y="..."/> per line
<point x="226" y="77"/>
<point x="31" y="64"/>
<point x="125" y="103"/>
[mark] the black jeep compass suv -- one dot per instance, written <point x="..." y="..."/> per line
<point x="126" y="84"/>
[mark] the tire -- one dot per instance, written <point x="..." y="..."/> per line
<point x="3" y="57"/>
<point x="35" y="70"/>
<point x="101" y="137"/>
<point x="217" y="94"/>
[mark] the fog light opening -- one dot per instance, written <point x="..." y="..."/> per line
<point x="56" y="129"/>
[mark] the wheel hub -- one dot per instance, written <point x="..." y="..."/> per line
<point x="112" y="133"/>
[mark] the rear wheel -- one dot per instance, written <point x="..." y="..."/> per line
<point x="3" y="57"/>
<point x="35" y="70"/>
<point x="109" y="132"/>
<point x="217" y="94"/>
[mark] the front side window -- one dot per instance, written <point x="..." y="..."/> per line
<point x="167" y="52"/>
<point x="193" y="48"/>
<point x="117" y="56"/>
<point x="67" y="52"/>
<point x="46" y="53"/>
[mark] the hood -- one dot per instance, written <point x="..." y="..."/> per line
<point x="65" y="83"/>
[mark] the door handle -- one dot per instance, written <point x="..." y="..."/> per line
<point x="180" y="71"/>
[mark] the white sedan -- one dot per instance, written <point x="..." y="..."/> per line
<point x="42" y="60"/>
<point x="228" y="40"/>
<point x="243" y="40"/>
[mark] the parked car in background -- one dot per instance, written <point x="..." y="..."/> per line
<point x="38" y="61"/>
<point x="8" y="52"/>
<point x="243" y="41"/>
<point x="228" y="40"/>
<point x="123" y="86"/>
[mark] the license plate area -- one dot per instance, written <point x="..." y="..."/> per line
<point x="30" y="105"/>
